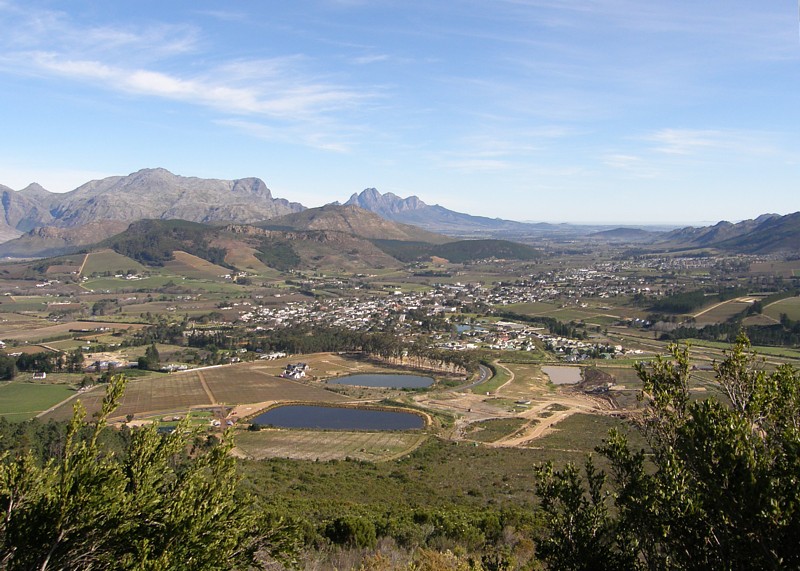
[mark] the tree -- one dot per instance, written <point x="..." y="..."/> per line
<point x="151" y="359"/>
<point x="154" y="508"/>
<point x="717" y="488"/>
<point x="8" y="367"/>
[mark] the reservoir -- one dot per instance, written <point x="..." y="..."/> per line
<point x="338" y="418"/>
<point x="384" y="381"/>
<point x="563" y="375"/>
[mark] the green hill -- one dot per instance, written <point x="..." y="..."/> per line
<point x="152" y="242"/>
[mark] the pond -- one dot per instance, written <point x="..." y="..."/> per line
<point x="464" y="328"/>
<point x="563" y="375"/>
<point x="384" y="381"/>
<point x="338" y="418"/>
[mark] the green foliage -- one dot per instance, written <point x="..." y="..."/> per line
<point x="151" y="361"/>
<point x="8" y="367"/>
<point x="718" y="489"/>
<point x="278" y="254"/>
<point x="352" y="531"/>
<point x="152" y="508"/>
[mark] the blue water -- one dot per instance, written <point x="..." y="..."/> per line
<point x="338" y="418"/>
<point x="384" y="381"/>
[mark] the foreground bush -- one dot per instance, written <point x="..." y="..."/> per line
<point x="718" y="488"/>
<point x="154" y="508"/>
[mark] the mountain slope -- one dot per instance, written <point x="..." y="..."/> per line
<point x="161" y="242"/>
<point x="353" y="220"/>
<point x="775" y="234"/>
<point x="769" y="233"/>
<point x="53" y="241"/>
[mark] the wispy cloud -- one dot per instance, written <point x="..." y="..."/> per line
<point x="224" y="15"/>
<point x="698" y="142"/>
<point x="271" y="94"/>
<point x="139" y="61"/>
<point x="368" y="59"/>
<point x="326" y="138"/>
<point x="503" y="149"/>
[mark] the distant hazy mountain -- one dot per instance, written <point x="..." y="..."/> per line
<point x="439" y="219"/>
<point x="146" y="194"/>
<point x="626" y="235"/>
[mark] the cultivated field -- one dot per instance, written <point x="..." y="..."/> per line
<point x="721" y="312"/>
<point x="789" y="306"/>
<point x="191" y="266"/>
<point x="21" y="400"/>
<point x="108" y="261"/>
<point x="326" y="445"/>
<point x="14" y="322"/>
<point x="48" y="330"/>
<point x="230" y="385"/>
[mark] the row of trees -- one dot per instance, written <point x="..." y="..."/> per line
<point x="43" y="361"/>
<point x="786" y="333"/>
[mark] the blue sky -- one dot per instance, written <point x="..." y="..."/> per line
<point x="617" y="111"/>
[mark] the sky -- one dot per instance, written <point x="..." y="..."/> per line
<point x="586" y="111"/>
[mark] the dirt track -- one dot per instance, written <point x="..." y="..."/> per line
<point x="546" y="410"/>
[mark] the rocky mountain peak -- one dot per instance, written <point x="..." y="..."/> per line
<point x="384" y="204"/>
<point x="35" y="188"/>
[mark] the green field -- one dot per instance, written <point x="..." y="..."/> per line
<point x="21" y="400"/>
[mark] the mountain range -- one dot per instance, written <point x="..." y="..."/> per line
<point x="146" y="194"/>
<point x="436" y="218"/>
<point x="35" y="222"/>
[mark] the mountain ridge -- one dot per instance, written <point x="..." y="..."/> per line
<point x="159" y="194"/>
<point x="145" y="194"/>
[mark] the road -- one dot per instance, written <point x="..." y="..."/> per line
<point x="486" y="374"/>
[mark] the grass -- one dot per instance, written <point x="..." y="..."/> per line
<point x="501" y="377"/>
<point x="22" y="400"/>
<point x="494" y="429"/>
<point x="437" y="474"/>
<point x="584" y="432"/>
